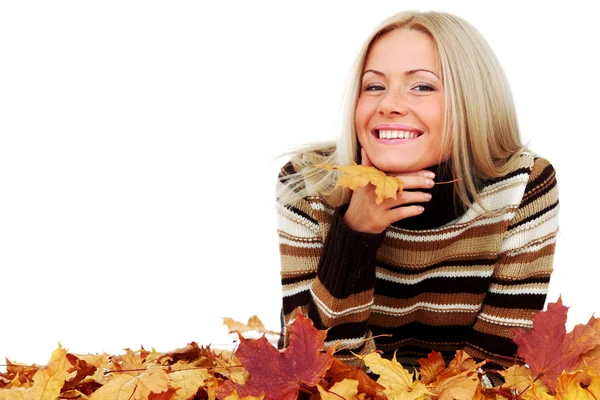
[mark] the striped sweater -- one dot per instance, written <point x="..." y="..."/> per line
<point x="446" y="280"/>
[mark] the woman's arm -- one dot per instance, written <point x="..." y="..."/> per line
<point x="522" y="272"/>
<point x="331" y="279"/>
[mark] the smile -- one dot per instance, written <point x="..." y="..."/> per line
<point x="388" y="136"/>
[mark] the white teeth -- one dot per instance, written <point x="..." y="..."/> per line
<point x="393" y="134"/>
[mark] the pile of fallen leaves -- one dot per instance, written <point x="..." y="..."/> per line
<point x="559" y="365"/>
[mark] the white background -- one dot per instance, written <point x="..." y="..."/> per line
<point x="137" y="146"/>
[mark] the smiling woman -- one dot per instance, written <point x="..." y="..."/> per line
<point x="441" y="267"/>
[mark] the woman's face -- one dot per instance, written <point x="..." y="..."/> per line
<point x="401" y="91"/>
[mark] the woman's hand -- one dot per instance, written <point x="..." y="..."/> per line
<point x="364" y="215"/>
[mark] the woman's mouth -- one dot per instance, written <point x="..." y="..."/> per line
<point x="388" y="136"/>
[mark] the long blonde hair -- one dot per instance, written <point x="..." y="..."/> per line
<point x="480" y="122"/>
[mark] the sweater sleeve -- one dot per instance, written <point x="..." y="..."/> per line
<point x="331" y="280"/>
<point x="519" y="283"/>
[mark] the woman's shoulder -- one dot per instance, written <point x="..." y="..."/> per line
<point x="528" y="167"/>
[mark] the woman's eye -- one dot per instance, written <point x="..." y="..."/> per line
<point x="370" y="88"/>
<point x="425" y="88"/>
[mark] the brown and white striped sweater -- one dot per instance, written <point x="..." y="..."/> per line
<point x="445" y="280"/>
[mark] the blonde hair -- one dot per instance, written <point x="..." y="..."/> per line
<point x="480" y="123"/>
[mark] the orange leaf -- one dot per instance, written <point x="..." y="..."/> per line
<point x="431" y="367"/>
<point x="340" y="371"/>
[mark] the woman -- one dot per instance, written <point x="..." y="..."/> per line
<point x="442" y="267"/>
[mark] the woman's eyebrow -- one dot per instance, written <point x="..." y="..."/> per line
<point x="407" y="73"/>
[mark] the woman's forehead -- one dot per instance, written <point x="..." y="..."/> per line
<point x="403" y="50"/>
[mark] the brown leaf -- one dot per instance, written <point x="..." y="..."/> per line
<point x="340" y="371"/>
<point x="431" y="367"/>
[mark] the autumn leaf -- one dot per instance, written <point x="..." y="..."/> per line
<point x="279" y="374"/>
<point x="355" y="176"/>
<point x="168" y="394"/>
<point x="517" y="378"/>
<point x="398" y="382"/>
<point x="340" y="371"/>
<point x="549" y="350"/>
<point x="431" y="367"/>
<point x="459" y="381"/>
<point x="187" y="382"/>
<point x="582" y="385"/>
<point x="346" y="389"/>
<point x="253" y="324"/>
<point x="125" y="386"/>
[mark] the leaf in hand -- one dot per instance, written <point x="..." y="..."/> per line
<point x="355" y="176"/>
<point x="279" y="374"/>
<point x="548" y="349"/>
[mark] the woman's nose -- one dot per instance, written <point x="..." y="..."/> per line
<point x="393" y="102"/>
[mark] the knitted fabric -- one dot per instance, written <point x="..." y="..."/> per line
<point x="450" y="279"/>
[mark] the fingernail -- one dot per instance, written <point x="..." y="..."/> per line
<point x="421" y="209"/>
<point x="427" y="196"/>
<point x="430" y="182"/>
<point x="429" y="174"/>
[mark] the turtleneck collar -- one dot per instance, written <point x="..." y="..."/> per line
<point x="443" y="207"/>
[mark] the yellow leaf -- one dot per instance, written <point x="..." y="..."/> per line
<point x="538" y="391"/>
<point x="347" y="389"/>
<point x="253" y="324"/>
<point x="517" y="377"/>
<point x="398" y="382"/>
<point x="235" y="396"/>
<point x="187" y="382"/>
<point x="355" y="176"/>
<point x="129" y="387"/>
<point x="582" y="385"/>
<point x="49" y="380"/>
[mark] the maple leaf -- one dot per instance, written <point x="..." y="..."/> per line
<point x="346" y="389"/>
<point x="125" y="386"/>
<point x="459" y="381"/>
<point x="431" y="367"/>
<point x="548" y="349"/>
<point x="279" y="374"/>
<point x="355" y="176"/>
<point x="47" y="381"/>
<point x="581" y="385"/>
<point x="517" y="378"/>
<point x="187" y="382"/>
<point x="340" y="371"/>
<point x="253" y="324"/>
<point x="398" y="381"/>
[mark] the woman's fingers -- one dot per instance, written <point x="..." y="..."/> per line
<point x="416" y="181"/>
<point x="399" y="213"/>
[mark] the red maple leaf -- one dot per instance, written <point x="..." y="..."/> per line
<point x="548" y="349"/>
<point x="279" y="374"/>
